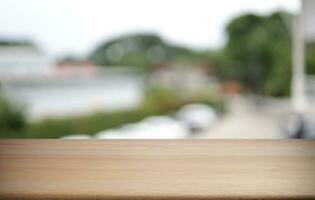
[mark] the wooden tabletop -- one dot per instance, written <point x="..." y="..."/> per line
<point x="157" y="169"/>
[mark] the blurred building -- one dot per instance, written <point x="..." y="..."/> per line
<point x="58" y="97"/>
<point x="74" y="93"/>
<point x="185" y="77"/>
<point x="79" y="68"/>
<point x="71" y="87"/>
<point x="24" y="62"/>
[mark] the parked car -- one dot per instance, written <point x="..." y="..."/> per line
<point x="196" y="116"/>
<point x="109" y="134"/>
<point x="300" y="126"/>
<point x="154" y="127"/>
<point x="76" y="137"/>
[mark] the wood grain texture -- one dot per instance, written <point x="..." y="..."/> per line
<point x="157" y="169"/>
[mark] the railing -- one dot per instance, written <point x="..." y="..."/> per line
<point x="157" y="169"/>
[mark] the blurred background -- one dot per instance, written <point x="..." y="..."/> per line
<point x="108" y="69"/>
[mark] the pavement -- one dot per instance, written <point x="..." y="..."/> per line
<point x="250" y="118"/>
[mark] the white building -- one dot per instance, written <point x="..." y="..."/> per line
<point x="71" y="96"/>
<point x="18" y="62"/>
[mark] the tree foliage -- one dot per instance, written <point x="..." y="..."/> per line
<point x="258" y="53"/>
<point x="310" y="58"/>
<point x="26" y="43"/>
<point x="137" y="50"/>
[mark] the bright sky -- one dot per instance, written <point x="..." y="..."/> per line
<point x="76" y="26"/>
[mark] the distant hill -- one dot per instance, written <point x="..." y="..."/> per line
<point x="138" y="50"/>
<point x="9" y="42"/>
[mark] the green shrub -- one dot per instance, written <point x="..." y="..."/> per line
<point x="158" y="101"/>
<point x="162" y="99"/>
<point x="88" y="124"/>
<point x="12" y="118"/>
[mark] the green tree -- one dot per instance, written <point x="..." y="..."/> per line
<point x="258" y="53"/>
<point x="26" y="43"/>
<point x="310" y="58"/>
<point x="137" y="50"/>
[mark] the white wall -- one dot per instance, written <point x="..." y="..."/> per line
<point x="17" y="62"/>
<point x="64" y="97"/>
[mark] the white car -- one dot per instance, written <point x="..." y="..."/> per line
<point x="76" y="137"/>
<point x="154" y="127"/>
<point x="109" y="134"/>
<point x="196" y="116"/>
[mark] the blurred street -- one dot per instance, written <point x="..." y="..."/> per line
<point x="250" y="118"/>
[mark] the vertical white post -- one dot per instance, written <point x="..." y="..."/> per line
<point x="298" y="67"/>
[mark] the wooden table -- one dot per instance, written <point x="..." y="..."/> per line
<point x="157" y="169"/>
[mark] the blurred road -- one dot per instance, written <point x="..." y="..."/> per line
<point x="250" y="118"/>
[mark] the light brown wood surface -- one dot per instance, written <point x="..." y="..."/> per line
<point x="157" y="169"/>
